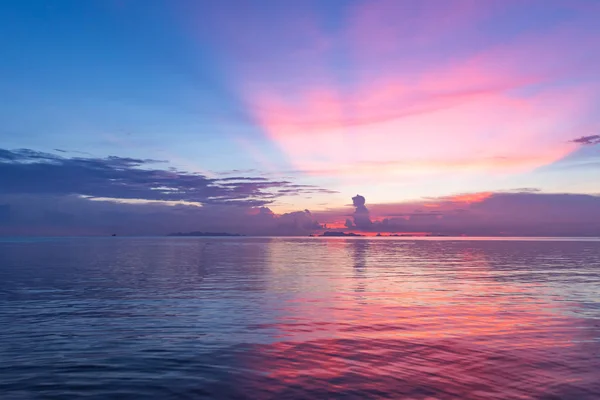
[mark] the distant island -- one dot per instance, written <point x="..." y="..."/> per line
<point x="337" y="234"/>
<point x="324" y="234"/>
<point x="344" y="234"/>
<point x="203" y="234"/>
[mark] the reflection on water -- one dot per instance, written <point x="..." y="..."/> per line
<point x="299" y="318"/>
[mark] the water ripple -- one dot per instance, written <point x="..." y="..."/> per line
<point x="188" y="318"/>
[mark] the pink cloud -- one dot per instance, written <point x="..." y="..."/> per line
<point x="496" y="110"/>
<point x="469" y="198"/>
<point x="438" y="129"/>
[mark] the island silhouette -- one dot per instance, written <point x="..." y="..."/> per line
<point x="203" y="234"/>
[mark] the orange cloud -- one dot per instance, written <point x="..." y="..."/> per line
<point x="470" y="197"/>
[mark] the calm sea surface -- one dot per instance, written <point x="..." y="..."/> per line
<point x="277" y="318"/>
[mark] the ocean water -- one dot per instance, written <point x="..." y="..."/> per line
<point x="305" y="318"/>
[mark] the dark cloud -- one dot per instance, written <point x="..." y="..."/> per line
<point x="587" y="140"/>
<point x="297" y="222"/>
<point x="27" y="171"/>
<point x="361" y="213"/>
<point x="506" y="213"/>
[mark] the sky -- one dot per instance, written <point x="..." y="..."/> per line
<point x="144" y="117"/>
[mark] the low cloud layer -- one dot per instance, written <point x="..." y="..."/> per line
<point x="522" y="212"/>
<point x="500" y="213"/>
<point x="47" y="194"/>
<point x="72" y="215"/>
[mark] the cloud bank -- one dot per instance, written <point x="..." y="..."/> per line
<point x="45" y="215"/>
<point x="47" y="194"/>
<point x="522" y="212"/>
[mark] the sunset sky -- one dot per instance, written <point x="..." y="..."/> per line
<point x="477" y="117"/>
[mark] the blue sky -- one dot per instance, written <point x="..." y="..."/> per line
<point x="401" y="101"/>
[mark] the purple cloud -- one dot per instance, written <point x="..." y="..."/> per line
<point x="72" y="215"/>
<point x="27" y="171"/>
<point x="587" y="140"/>
<point x="506" y="213"/>
<point x="361" y="213"/>
<point x="48" y="194"/>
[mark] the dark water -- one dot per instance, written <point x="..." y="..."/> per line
<point x="187" y="318"/>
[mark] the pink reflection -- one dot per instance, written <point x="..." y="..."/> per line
<point x="456" y="333"/>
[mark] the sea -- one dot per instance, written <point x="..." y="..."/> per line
<point x="299" y="318"/>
